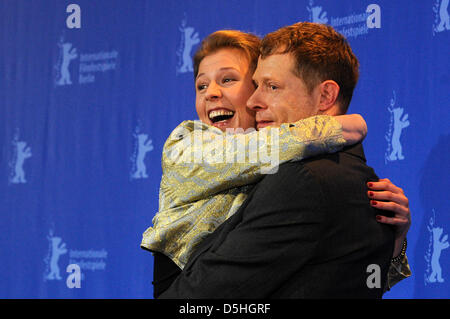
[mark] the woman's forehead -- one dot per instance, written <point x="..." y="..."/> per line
<point x="225" y="58"/>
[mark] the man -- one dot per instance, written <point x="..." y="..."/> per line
<point x="307" y="231"/>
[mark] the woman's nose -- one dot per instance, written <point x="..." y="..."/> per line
<point x="213" y="91"/>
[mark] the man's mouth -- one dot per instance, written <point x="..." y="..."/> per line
<point x="217" y="116"/>
<point x="261" y="124"/>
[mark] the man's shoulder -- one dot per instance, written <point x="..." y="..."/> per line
<point x="350" y="154"/>
<point x="336" y="168"/>
<point x="289" y="171"/>
<point x="340" y="162"/>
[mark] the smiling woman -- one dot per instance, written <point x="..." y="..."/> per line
<point x="223" y="69"/>
<point x="223" y="86"/>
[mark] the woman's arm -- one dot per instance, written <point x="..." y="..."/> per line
<point x="385" y="195"/>
<point x="354" y="128"/>
<point x="198" y="154"/>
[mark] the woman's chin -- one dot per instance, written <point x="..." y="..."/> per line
<point x="223" y="125"/>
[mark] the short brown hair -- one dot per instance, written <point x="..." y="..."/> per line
<point x="321" y="54"/>
<point x="247" y="42"/>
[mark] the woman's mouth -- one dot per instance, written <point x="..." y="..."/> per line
<point x="220" y="118"/>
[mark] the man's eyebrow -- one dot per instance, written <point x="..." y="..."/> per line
<point x="264" y="79"/>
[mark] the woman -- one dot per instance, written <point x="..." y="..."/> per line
<point x="223" y="68"/>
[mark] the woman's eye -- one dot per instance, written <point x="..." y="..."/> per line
<point x="227" y="80"/>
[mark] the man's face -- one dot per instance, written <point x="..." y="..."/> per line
<point x="281" y="96"/>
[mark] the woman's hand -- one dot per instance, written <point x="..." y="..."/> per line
<point x="386" y="196"/>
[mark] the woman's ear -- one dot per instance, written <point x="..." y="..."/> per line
<point x="329" y="91"/>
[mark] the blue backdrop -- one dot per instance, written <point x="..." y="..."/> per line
<point x="89" y="94"/>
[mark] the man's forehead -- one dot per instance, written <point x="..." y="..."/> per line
<point x="274" y="64"/>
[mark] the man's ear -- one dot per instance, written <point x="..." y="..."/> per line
<point x="329" y="91"/>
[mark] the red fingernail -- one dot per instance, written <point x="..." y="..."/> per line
<point x="370" y="184"/>
<point x="378" y="217"/>
<point x="374" y="203"/>
<point x="371" y="194"/>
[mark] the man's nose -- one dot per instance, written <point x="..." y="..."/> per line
<point x="213" y="91"/>
<point x="254" y="102"/>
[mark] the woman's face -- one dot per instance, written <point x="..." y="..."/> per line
<point x="223" y="86"/>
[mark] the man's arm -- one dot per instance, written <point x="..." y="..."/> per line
<point x="272" y="236"/>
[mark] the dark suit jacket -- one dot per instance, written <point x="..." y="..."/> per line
<point x="307" y="231"/>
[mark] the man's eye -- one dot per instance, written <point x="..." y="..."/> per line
<point x="201" y="87"/>
<point x="273" y="87"/>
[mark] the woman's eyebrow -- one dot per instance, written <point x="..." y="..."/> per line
<point x="221" y="69"/>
